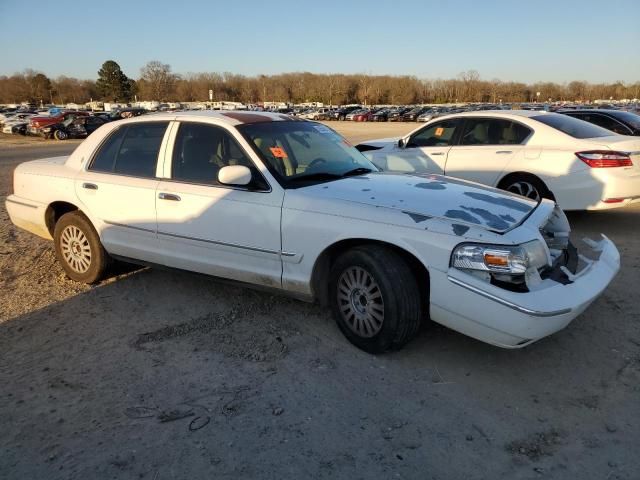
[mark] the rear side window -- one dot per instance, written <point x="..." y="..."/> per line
<point x="131" y="150"/>
<point x="437" y="135"/>
<point x="604" y="122"/>
<point x="492" y="131"/>
<point x="572" y="126"/>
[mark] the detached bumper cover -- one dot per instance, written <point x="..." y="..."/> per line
<point x="511" y="320"/>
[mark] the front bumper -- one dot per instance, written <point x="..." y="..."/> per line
<point x="507" y="319"/>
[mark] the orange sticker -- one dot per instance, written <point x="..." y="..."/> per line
<point x="439" y="131"/>
<point x="278" y="152"/>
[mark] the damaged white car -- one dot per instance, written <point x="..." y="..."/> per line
<point x="267" y="200"/>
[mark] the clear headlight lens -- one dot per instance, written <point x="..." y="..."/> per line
<point x="512" y="260"/>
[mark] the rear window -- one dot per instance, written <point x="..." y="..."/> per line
<point x="572" y="126"/>
<point x="630" y="118"/>
<point x="131" y="150"/>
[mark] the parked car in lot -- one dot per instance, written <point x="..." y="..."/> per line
<point x="396" y="114"/>
<point x="365" y="115"/>
<point x="535" y="154"/>
<point x="413" y="114"/>
<point x="341" y="113"/>
<point x="618" y="121"/>
<point x="380" y="115"/>
<point x="79" y="127"/>
<point x="289" y="205"/>
<point x="38" y="123"/>
<point x="430" y="114"/>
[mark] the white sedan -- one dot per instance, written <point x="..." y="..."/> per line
<point x="536" y="154"/>
<point x="269" y="200"/>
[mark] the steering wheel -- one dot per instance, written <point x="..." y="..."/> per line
<point x="316" y="161"/>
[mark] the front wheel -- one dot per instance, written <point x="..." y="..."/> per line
<point x="375" y="299"/>
<point x="78" y="248"/>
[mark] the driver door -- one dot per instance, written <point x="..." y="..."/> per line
<point x="425" y="151"/>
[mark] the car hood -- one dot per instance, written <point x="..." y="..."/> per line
<point x="382" y="142"/>
<point x="423" y="197"/>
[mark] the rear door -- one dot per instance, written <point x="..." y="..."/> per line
<point x="118" y="189"/>
<point x="485" y="148"/>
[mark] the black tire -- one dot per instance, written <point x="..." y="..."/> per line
<point x="71" y="248"/>
<point x="396" y="294"/>
<point x="60" y="135"/>
<point x="526" y="185"/>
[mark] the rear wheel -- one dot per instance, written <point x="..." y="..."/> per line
<point x="375" y="299"/>
<point x="78" y="248"/>
<point x="526" y="185"/>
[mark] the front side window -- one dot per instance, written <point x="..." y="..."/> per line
<point x="439" y="134"/>
<point x="131" y="150"/>
<point x="572" y="126"/>
<point x="200" y="152"/>
<point x="492" y="131"/>
<point x="299" y="153"/>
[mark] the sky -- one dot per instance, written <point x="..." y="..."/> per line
<point x="527" y="41"/>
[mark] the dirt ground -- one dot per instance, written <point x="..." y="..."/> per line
<point x="157" y="374"/>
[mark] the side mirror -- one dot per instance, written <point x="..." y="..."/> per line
<point x="234" y="175"/>
<point x="402" y="143"/>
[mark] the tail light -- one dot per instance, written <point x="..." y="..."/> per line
<point x="605" y="158"/>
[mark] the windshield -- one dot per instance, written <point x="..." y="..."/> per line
<point x="298" y="153"/>
<point x="572" y="126"/>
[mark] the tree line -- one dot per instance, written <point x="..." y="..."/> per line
<point x="157" y="81"/>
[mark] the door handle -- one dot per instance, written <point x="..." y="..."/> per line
<point x="90" y="186"/>
<point x="436" y="153"/>
<point x="504" y="151"/>
<point x="168" y="196"/>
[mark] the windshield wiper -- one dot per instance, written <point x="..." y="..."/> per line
<point x="357" y="171"/>
<point x="315" y="176"/>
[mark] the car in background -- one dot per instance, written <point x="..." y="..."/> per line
<point x="16" y="123"/>
<point x="535" y="154"/>
<point x="385" y="258"/>
<point x="395" y="115"/>
<point x="363" y="116"/>
<point x="121" y="113"/>
<point x="381" y="115"/>
<point x="353" y="113"/>
<point x="413" y="114"/>
<point x="78" y="127"/>
<point x="431" y="113"/>
<point x="37" y="123"/>
<point x="618" y="121"/>
<point x="341" y="113"/>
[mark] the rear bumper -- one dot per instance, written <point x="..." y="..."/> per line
<point x="507" y="319"/>
<point x="597" y="188"/>
<point x="28" y="215"/>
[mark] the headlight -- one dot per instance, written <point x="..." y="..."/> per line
<point x="46" y="129"/>
<point x="505" y="259"/>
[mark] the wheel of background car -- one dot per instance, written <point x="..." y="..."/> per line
<point x="526" y="185"/>
<point x="78" y="248"/>
<point x="60" y="135"/>
<point x="316" y="161"/>
<point x="375" y="298"/>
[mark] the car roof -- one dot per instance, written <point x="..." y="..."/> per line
<point x="234" y="117"/>
<point x="501" y="113"/>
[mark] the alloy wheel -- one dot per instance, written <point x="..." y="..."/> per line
<point x="75" y="248"/>
<point x="360" y="302"/>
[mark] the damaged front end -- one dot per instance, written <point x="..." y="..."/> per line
<point x="526" y="266"/>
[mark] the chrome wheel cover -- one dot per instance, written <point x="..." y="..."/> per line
<point x="525" y="189"/>
<point x="75" y="249"/>
<point x="360" y="302"/>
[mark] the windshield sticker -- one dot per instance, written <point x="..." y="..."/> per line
<point x="278" y="152"/>
<point x="439" y="131"/>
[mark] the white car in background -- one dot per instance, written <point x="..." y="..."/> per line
<point x="535" y="154"/>
<point x="274" y="201"/>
